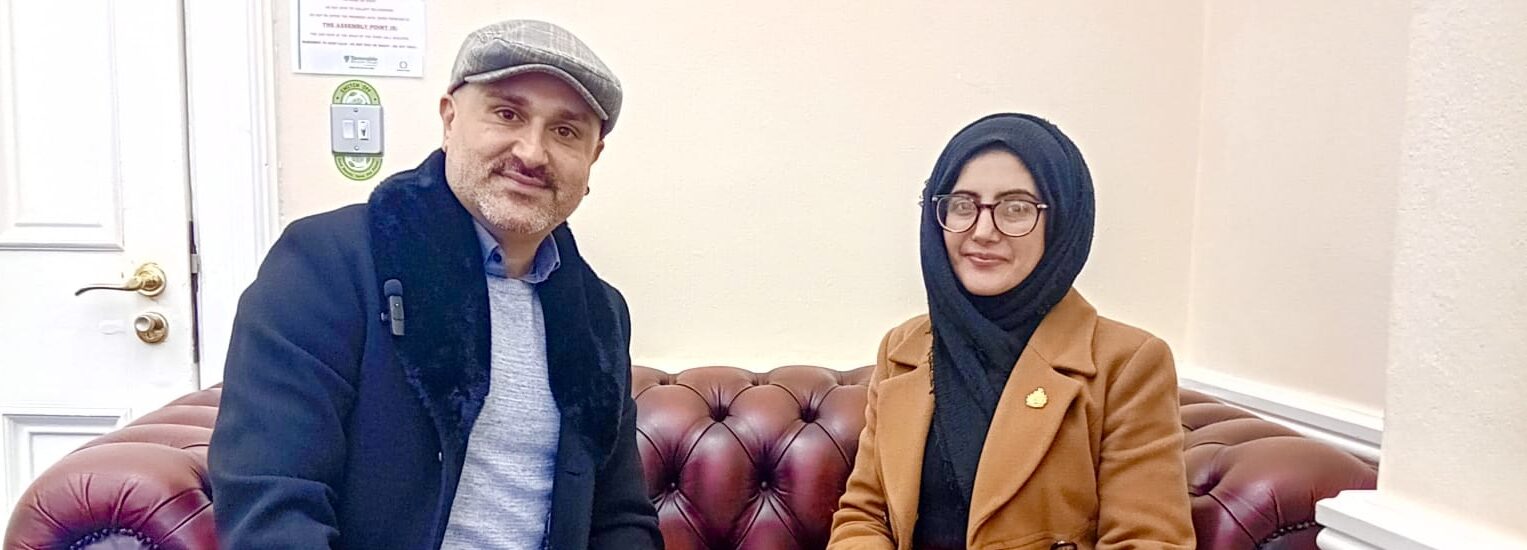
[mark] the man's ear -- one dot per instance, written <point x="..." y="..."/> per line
<point x="447" y="116"/>
<point x="598" y="148"/>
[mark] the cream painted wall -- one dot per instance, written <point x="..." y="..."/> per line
<point x="757" y="202"/>
<point x="1303" y="111"/>
<point x="1454" y="440"/>
<point x="1296" y="194"/>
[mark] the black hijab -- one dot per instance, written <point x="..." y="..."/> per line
<point x="977" y="339"/>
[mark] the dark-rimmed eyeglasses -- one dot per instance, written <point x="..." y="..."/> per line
<point x="1014" y="217"/>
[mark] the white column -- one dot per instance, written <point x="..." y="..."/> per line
<point x="1454" y="459"/>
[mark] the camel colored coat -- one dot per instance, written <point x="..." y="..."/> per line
<point x="1084" y="451"/>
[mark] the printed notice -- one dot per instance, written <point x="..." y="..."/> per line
<point x="359" y="37"/>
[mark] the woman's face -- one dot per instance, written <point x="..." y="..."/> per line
<point x="984" y="259"/>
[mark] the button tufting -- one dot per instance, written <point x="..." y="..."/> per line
<point x="1225" y="449"/>
<point x="808" y="415"/>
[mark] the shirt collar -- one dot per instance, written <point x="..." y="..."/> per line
<point x="547" y="258"/>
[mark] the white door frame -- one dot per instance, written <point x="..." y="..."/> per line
<point x="230" y="103"/>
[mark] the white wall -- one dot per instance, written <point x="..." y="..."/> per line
<point x="1456" y="439"/>
<point x="1303" y="110"/>
<point x="757" y="202"/>
<point x="1454" y="442"/>
<point x="1300" y="195"/>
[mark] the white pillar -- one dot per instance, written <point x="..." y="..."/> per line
<point x="1454" y="459"/>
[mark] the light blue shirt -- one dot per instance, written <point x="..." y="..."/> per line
<point x="547" y="258"/>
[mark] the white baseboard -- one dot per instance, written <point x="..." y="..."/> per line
<point x="1357" y="432"/>
<point x="1367" y="520"/>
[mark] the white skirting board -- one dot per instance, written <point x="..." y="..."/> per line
<point x="1354" y="431"/>
<point x="1367" y="520"/>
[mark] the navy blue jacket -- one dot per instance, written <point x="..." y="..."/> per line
<point x="334" y="432"/>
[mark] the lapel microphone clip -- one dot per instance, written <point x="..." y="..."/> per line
<point x="393" y="289"/>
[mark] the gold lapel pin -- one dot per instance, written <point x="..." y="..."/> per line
<point x="1037" y="399"/>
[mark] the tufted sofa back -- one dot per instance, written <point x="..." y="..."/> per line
<point x="745" y="460"/>
<point x="737" y="459"/>
<point x="733" y="460"/>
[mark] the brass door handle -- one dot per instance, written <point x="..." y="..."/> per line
<point x="152" y="328"/>
<point x="148" y="280"/>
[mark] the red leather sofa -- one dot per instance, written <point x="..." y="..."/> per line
<point x="734" y="460"/>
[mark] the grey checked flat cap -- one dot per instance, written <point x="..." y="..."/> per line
<point x="518" y="46"/>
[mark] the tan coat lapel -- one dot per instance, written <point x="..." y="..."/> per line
<point x="1022" y="431"/>
<point x="1020" y="435"/>
<point x="904" y="429"/>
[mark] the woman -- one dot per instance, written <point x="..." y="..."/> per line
<point x="1012" y="415"/>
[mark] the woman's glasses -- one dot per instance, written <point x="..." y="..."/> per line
<point x="1014" y="217"/>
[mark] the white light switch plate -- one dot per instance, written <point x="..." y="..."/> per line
<point x="355" y="129"/>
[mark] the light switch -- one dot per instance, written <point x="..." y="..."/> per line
<point x="355" y="129"/>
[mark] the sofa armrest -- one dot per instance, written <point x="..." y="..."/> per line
<point x="1254" y="483"/>
<point x="144" y="486"/>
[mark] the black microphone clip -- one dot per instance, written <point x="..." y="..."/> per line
<point x="393" y="289"/>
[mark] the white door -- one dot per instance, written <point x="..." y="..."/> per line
<point x="93" y="184"/>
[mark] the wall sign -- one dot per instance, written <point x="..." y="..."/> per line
<point x="359" y="37"/>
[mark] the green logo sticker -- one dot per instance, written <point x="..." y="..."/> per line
<point x="356" y="92"/>
<point x="357" y="167"/>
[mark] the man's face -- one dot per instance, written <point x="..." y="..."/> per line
<point x="518" y="151"/>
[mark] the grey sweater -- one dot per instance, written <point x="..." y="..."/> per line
<point x="504" y="497"/>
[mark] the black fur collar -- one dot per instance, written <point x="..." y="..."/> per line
<point x="424" y="238"/>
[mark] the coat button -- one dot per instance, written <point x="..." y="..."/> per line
<point x="1063" y="545"/>
<point x="439" y="457"/>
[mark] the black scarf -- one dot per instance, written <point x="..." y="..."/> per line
<point x="422" y="237"/>
<point x="977" y="339"/>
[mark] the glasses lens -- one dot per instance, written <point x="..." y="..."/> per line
<point x="1016" y="217"/>
<point x="957" y="213"/>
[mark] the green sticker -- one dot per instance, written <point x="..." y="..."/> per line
<point x="356" y="92"/>
<point x="357" y="167"/>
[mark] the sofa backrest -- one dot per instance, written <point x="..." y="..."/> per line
<point x="734" y="460"/>
<point x="737" y="459"/>
<point x="740" y="459"/>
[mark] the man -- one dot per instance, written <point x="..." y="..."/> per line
<point x="438" y="367"/>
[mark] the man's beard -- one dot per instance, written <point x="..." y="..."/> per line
<point x="475" y="185"/>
